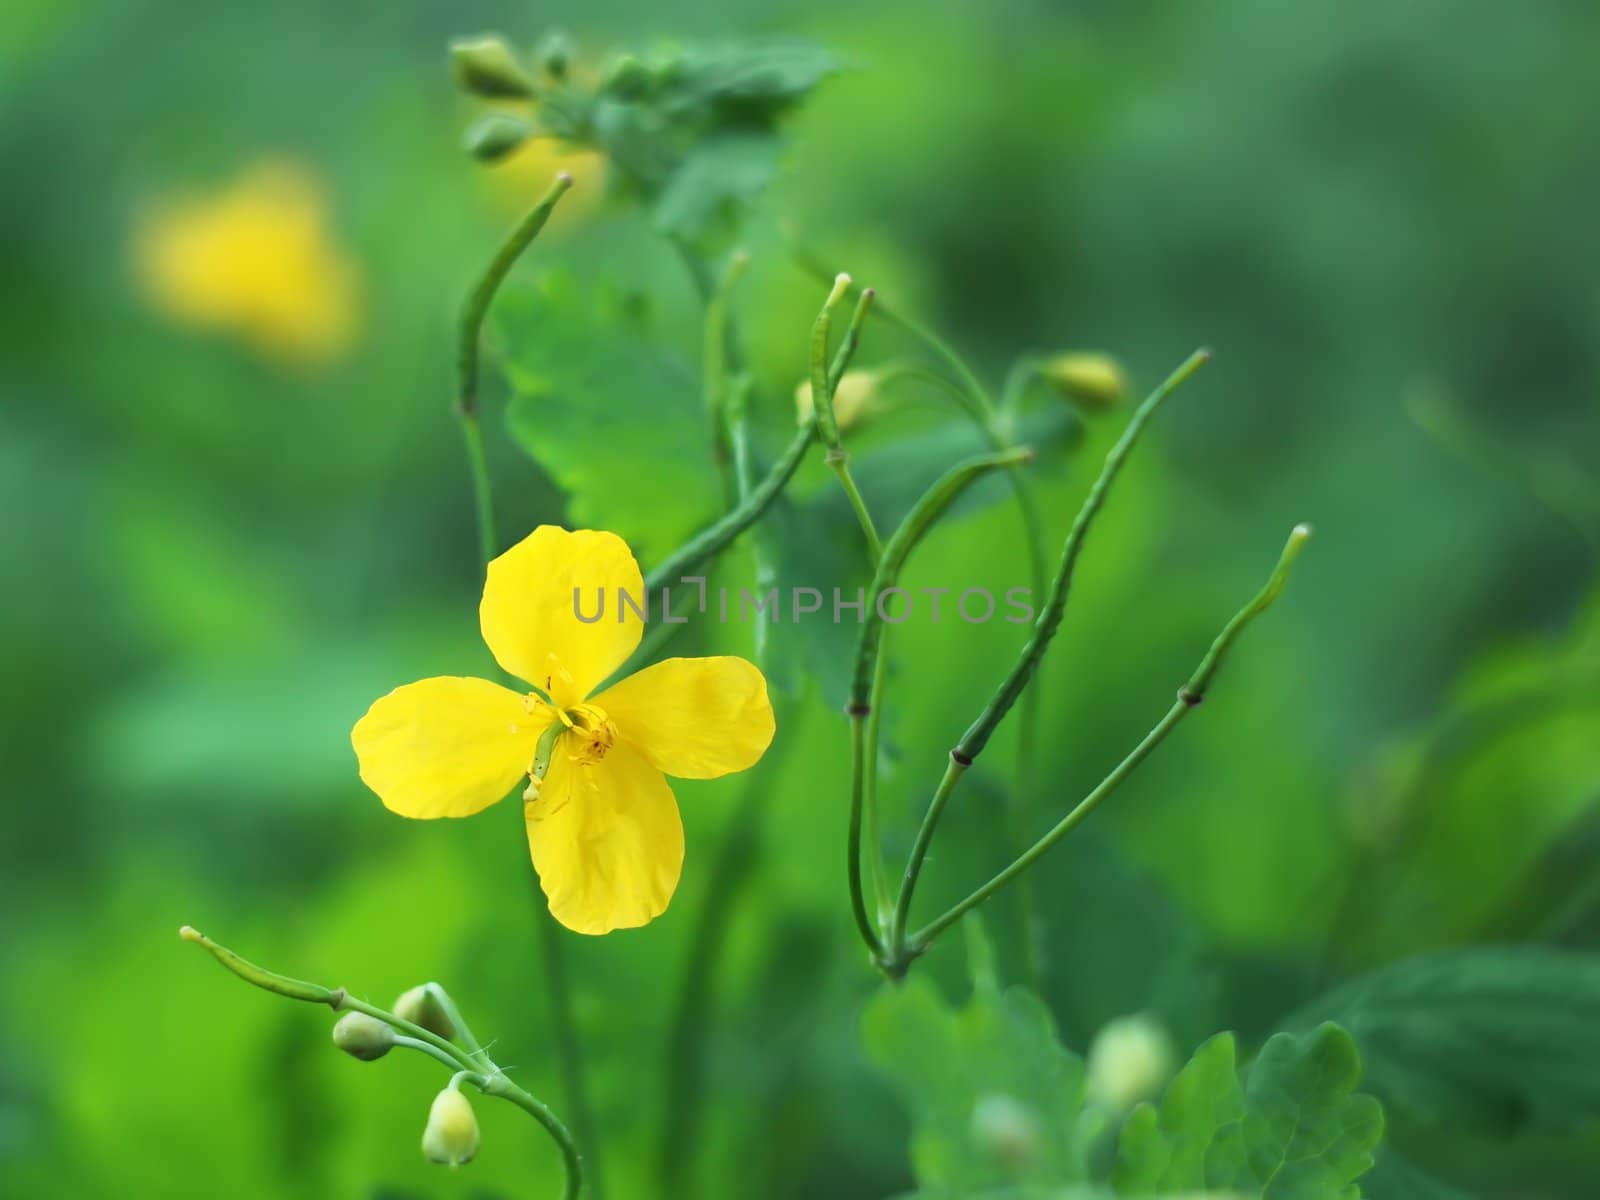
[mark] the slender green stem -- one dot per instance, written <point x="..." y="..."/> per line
<point x="492" y="1083"/>
<point x="1049" y="619"/>
<point x="899" y="953"/>
<point x="1190" y="697"/>
<point x="839" y="463"/>
<point x="715" y="368"/>
<point x="483" y="293"/>
<point x="482" y="488"/>
<point x="858" y="901"/>
<point x="875" y="859"/>
<point x="711" y="540"/>
<point x="824" y="379"/>
<point x="867" y="683"/>
<point x="452" y="1012"/>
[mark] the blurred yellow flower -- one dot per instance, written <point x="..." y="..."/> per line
<point x="853" y="399"/>
<point x="520" y="178"/>
<point x="255" y="259"/>
<point x="602" y="824"/>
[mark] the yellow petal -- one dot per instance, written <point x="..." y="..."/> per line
<point x="696" y="718"/>
<point x="606" y="840"/>
<point x="446" y="747"/>
<point x="530" y="621"/>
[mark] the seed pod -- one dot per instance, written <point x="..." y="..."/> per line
<point x="485" y="66"/>
<point x="420" y="1005"/>
<point x="1094" y="382"/>
<point x="451" y="1135"/>
<point x="361" y="1036"/>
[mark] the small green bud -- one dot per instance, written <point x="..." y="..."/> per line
<point x="1130" y="1060"/>
<point x="361" y="1036"/>
<point x="485" y="66"/>
<point x="420" y="1005"/>
<point x="1094" y="382"/>
<point x="1006" y="1129"/>
<point x="493" y="137"/>
<point x="626" y="78"/>
<point x="451" y="1136"/>
<point x="555" y="53"/>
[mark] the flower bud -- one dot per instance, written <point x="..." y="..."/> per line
<point x="486" y="67"/>
<point x="1006" y="1129"/>
<point x="854" y="399"/>
<point x="361" y="1036"/>
<point x="496" y="135"/>
<point x="555" y="53"/>
<point x="1130" y="1060"/>
<point x="451" y="1136"/>
<point x="1094" y="382"/>
<point x="420" y="1005"/>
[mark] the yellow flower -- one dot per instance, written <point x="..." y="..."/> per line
<point x="603" y="826"/>
<point x="255" y="259"/>
<point x="853" y="400"/>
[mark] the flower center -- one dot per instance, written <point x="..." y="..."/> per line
<point x="590" y="734"/>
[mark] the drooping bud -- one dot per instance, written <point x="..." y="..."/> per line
<point x="451" y="1136"/>
<point x="853" y="400"/>
<point x="1006" y="1129"/>
<point x="1130" y="1060"/>
<point x="485" y="66"/>
<point x="420" y="1005"/>
<point x="1094" y="382"/>
<point x="496" y="135"/>
<point x="361" y="1036"/>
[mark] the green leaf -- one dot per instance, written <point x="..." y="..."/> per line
<point x="1291" y="1128"/>
<point x="715" y="183"/>
<point x="997" y="1101"/>
<point x="747" y="81"/>
<point x="614" y="419"/>
<point x="1500" y="1041"/>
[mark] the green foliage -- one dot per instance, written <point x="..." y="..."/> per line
<point x="693" y="130"/>
<point x="1500" y="1041"/>
<point x="613" y="417"/>
<point x="997" y="1100"/>
<point x="1290" y="1127"/>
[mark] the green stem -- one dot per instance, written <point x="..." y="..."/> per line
<point x="900" y="955"/>
<point x="867" y="682"/>
<point x="711" y="540"/>
<point x="715" y="368"/>
<point x="494" y="1083"/>
<point x="447" y="1005"/>
<point x="1049" y="619"/>
<point x="1190" y="697"/>
<point x="875" y="859"/>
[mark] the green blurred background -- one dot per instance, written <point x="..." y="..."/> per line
<point x="221" y="543"/>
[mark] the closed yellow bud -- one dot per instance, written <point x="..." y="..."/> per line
<point x="1094" y="382"/>
<point x="451" y="1137"/>
<point x="853" y="400"/>
<point x="361" y="1036"/>
<point x="485" y="66"/>
<point x="421" y="1006"/>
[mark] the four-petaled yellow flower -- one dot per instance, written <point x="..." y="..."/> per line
<point x="603" y="826"/>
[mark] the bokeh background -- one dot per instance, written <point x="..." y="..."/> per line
<point x="237" y="511"/>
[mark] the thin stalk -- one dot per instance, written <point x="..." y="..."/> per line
<point x="900" y="955"/>
<point x="867" y="683"/>
<point x="494" y="1083"/>
<point x="711" y="540"/>
<point x="1049" y="619"/>
<point x="1189" y="698"/>
<point x="824" y="379"/>
<point x="715" y="368"/>
<point x="874" y="838"/>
